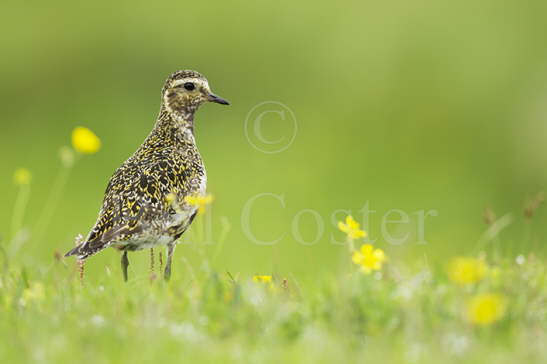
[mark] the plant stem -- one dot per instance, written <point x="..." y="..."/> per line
<point x="225" y="224"/>
<point x="19" y="210"/>
<point x="52" y="201"/>
<point x="6" y="260"/>
<point x="351" y="245"/>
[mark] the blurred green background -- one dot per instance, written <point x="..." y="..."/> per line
<point x="414" y="106"/>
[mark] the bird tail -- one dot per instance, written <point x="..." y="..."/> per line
<point x="84" y="250"/>
<point x="74" y="251"/>
<point x="79" y="251"/>
<point x="94" y="244"/>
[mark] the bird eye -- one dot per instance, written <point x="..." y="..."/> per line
<point x="189" y="86"/>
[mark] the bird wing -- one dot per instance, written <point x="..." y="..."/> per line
<point x="135" y="202"/>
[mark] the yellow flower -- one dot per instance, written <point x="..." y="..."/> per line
<point x="22" y="176"/>
<point x="200" y="201"/>
<point x="485" y="309"/>
<point x="85" y="141"/>
<point x="464" y="270"/>
<point x="351" y="228"/>
<point x="35" y="293"/>
<point x="368" y="258"/>
<point x="262" y="279"/>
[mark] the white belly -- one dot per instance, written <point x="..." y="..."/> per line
<point x="159" y="237"/>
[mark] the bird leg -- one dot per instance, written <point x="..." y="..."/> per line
<point x="170" y="250"/>
<point x="125" y="264"/>
<point x="160" y="258"/>
<point x="152" y="274"/>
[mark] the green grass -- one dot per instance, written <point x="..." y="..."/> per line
<point x="409" y="311"/>
<point x="404" y="315"/>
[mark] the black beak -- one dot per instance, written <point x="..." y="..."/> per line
<point x="217" y="99"/>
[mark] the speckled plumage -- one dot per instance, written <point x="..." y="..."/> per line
<point x="144" y="202"/>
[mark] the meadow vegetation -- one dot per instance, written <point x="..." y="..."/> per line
<point x="487" y="307"/>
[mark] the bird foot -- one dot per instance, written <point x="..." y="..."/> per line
<point x="125" y="264"/>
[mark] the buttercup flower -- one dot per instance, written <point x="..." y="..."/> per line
<point x="464" y="270"/>
<point x="485" y="309"/>
<point x="22" y="176"/>
<point x="35" y="293"/>
<point x="368" y="258"/>
<point x="351" y="228"/>
<point x="200" y="201"/>
<point x="85" y="141"/>
<point x="262" y="279"/>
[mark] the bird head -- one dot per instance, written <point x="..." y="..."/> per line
<point x="185" y="91"/>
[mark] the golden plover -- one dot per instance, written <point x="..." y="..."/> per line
<point x="144" y="204"/>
